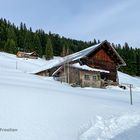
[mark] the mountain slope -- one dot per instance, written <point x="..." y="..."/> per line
<point x="41" y="108"/>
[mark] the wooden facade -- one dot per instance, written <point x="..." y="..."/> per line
<point x="104" y="58"/>
<point x="43" y="73"/>
<point x="90" y="79"/>
<point x="79" y="77"/>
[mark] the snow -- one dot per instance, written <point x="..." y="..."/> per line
<point x="49" y="64"/>
<point x="132" y="133"/>
<point x="41" y="108"/>
<point x="85" y="67"/>
<point x="108" y="128"/>
<point x="10" y="61"/>
<point x="125" y="78"/>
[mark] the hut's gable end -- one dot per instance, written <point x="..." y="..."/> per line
<point x="104" y="58"/>
<point x="101" y="55"/>
<point x="100" y="59"/>
<point x="105" y="53"/>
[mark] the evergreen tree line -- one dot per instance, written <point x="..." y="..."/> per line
<point x="132" y="58"/>
<point x="13" y="39"/>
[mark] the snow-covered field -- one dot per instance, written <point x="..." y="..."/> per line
<point x="43" y="109"/>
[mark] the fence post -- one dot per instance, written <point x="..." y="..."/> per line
<point x="16" y="65"/>
<point x="131" y="99"/>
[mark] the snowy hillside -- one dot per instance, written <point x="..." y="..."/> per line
<point x="43" y="109"/>
<point x="125" y="78"/>
<point x="10" y="61"/>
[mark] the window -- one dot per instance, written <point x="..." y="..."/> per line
<point x="94" y="77"/>
<point x="87" y="77"/>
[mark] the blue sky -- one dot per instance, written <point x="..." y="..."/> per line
<point x="115" y="20"/>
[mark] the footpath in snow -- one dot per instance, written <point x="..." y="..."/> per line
<point x="112" y="128"/>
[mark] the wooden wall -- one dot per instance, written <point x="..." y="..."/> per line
<point x="101" y="55"/>
<point x="43" y="73"/>
<point x="101" y="60"/>
<point x="90" y="82"/>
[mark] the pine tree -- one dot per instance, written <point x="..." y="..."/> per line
<point x="49" y="50"/>
<point x="94" y="42"/>
<point x="10" y="46"/>
<point x="11" y="33"/>
<point x="37" y="45"/>
<point x="43" y="40"/>
<point x="137" y="65"/>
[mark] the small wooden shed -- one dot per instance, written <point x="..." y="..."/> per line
<point x="79" y="75"/>
<point x="31" y="55"/>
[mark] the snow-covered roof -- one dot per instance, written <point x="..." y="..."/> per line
<point x="85" y="67"/>
<point x="89" y="50"/>
<point x="82" y="53"/>
<point x="49" y="64"/>
<point x="68" y="58"/>
<point x="29" y="53"/>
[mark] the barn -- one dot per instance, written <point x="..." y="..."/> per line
<point x="95" y="66"/>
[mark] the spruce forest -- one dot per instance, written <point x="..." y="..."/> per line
<point x="47" y="45"/>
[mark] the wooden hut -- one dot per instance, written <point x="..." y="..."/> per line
<point x="102" y="57"/>
<point x="32" y="55"/>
